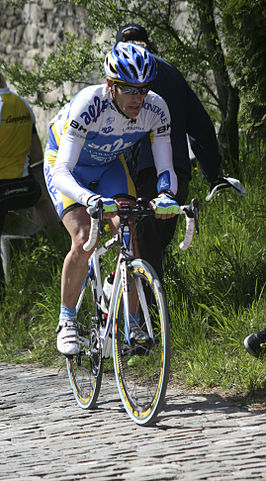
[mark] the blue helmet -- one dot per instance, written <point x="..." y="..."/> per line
<point x="130" y="63"/>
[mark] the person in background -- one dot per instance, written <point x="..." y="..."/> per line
<point x="255" y="344"/>
<point x="19" y="144"/>
<point x="188" y="118"/>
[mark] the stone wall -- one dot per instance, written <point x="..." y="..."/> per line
<point x="38" y="27"/>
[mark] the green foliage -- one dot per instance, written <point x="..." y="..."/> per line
<point x="244" y="28"/>
<point x="73" y="60"/>
<point x="218" y="49"/>
<point x="215" y="290"/>
<point x="27" y="317"/>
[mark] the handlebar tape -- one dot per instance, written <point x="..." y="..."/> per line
<point x="93" y="235"/>
<point x="190" y="224"/>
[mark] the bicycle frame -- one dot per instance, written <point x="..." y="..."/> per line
<point x="94" y="274"/>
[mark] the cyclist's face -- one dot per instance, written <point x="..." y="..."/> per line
<point x="129" y="104"/>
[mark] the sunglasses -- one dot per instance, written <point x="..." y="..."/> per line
<point x="127" y="89"/>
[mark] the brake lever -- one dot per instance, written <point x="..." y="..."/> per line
<point x="96" y="212"/>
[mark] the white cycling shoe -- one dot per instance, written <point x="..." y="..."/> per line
<point x="68" y="342"/>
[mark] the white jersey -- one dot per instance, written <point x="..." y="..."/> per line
<point x="90" y="131"/>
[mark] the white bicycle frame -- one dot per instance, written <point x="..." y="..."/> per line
<point x="120" y="274"/>
<point x="94" y="275"/>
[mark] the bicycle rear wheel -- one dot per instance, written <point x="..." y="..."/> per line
<point x="85" y="369"/>
<point x="142" y="370"/>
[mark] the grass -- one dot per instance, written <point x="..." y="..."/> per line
<point x="214" y="290"/>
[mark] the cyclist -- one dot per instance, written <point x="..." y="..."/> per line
<point x="84" y="162"/>
<point x="188" y="117"/>
<point x="19" y="143"/>
<point x="255" y="344"/>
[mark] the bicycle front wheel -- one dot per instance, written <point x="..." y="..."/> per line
<point x="85" y="369"/>
<point x="142" y="369"/>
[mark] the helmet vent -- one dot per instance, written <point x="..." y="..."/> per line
<point x="112" y="68"/>
<point x="123" y="69"/>
<point x="133" y="70"/>
<point x="145" y="70"/>
<point x="139" y="62"/>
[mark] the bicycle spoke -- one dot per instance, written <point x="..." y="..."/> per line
<point x="85" y="369"/>
<point x="142" y="368"/>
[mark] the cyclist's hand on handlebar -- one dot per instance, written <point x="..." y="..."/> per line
<point x="164" y="206"/>
<point x="109" y="205"/>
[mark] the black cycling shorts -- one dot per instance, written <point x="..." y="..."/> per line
<point x="19" y="193"/>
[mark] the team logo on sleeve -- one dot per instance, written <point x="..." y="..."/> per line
<point x="94" y="110"/>
<point x="156" y="110"/>
<point x="75" y="125"/>
<point x="163" y="129"/>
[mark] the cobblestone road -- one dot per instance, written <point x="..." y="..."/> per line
<point x="44" y="435"/>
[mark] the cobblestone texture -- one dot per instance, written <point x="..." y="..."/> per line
<point x="44" y="435"/>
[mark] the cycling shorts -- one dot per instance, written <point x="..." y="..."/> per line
<point x="109" y="180"/>
<point x="21" y="193"/>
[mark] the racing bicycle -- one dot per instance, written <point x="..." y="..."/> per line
<point x="141" y="368"/>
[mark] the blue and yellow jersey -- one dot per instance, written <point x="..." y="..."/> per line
<point x="16" y="123"/>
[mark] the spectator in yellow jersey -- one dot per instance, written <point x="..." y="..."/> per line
<point x="19" y="144"/>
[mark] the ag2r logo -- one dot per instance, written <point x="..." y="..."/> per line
<point x="94" y="110"/>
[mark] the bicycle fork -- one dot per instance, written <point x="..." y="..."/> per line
<point x="125" y="288"/>
<point x="134" y="298"/>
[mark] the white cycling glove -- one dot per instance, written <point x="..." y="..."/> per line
<point x="109" y="205"/>
<point x="165" y="204"/>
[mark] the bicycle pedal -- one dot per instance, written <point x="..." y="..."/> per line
<point x="137" y="349"/>
<point x="141" y="343"/>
